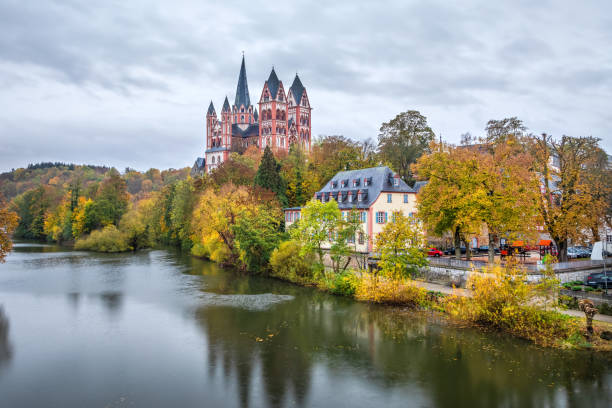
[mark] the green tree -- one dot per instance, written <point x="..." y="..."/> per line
<point x="268" y="176"/>
<point x="403" y="140"/>
<point x="316" y="226"/>
<point x="256" y="237"/>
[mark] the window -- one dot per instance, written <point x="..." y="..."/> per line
<point x="396" y="181"/>
<point x="405" y="198"/>
<point x="351" y="239"/>
<point x="359" y="196"/>
<point x="363" y="216"/>
<point x="286" y="217"/>
<point x="381" y="217"/>
<point x="361" y="238"/>
<point x="297" y="216"/>
<point x="389" y="198"/>
<point x="350" y="197"/>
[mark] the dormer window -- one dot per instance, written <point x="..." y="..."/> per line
<point x="343" y="184"/>
<point x="350" y="197"/>
<point x="360" y="196"/>
<point x="396" y="180"/>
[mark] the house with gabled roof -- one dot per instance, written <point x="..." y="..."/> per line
<point x="376" y="193"/>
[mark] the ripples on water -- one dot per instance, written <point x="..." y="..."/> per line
<point x="158" y="329"/>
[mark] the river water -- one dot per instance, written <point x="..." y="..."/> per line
<point x="159" y="329"/>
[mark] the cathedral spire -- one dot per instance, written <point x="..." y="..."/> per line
<point x="226" y="106"/>
<point x="297" y="89"/>
<point x="273" y="83"/>
<point x="211" y="109"/>
<point x="242" y="90"/>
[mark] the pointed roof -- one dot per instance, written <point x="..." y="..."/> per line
<point x="226" y="106"/>
<point x="273" y="83"/>
<point x="242" y="90"/>
<point x="255" y="115"/>
<point x="297" y="89"/>
<point x="211" y="109"/>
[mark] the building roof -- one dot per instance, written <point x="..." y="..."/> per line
<point x="380" y="179"/>
<point x="226" y="106"/>
<point x="216" y="149"/>
<point x="211" y="109"/>
<point x="419" y="185"/>
<point x="200" y="162"/>
<point x="252" y="130"/>
<point x="273" y="83"/>
<point x="242" y="90"/>
<point x="297" y="89"/>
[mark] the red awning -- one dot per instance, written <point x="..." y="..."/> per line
<point x="518" y="244"/>
<point x="545" y="242"/>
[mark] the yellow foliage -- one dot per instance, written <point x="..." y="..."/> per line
<point x="390" y="291"/>
<point x="503" y="299"/>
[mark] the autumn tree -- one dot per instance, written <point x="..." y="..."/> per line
<point x="219" y="230"/>
<point x="403" y="140"/>
<point x="572" y="198"/>
<point x="400" y="245"/>
<point x="8" y="222"/>
<point x="472" y="186"/>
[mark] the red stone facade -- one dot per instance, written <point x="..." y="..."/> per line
<point x="284" y="119"/>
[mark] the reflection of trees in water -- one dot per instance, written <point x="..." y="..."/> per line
<point x="5" y="347"/>
<point x="113" y="301"/>
<point x="456" y="367"/>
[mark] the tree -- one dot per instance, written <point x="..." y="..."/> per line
<point x="571" y="199"/>
<point x="8" y="222"/>
<point x="218" y="228"/>
<point x="256" y="238"/>
<point x="315" y="227"/>
<point x="400" y="245"/>
<point x="403" y="140"/>
<point x="268" y="176"/>
<point x="473" y="186"/>
<point x="499" y="130"/>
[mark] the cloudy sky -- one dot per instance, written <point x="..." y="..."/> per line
<point x="127" y="83"/>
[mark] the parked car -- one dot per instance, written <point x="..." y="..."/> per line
<point x="583" y="252"/>
<point x="572" y="253"/>
<point x="434" y="252"/>
<point x="451" y="251"/>
<point x="483" y="249"/>
<point x="598" y="280"/>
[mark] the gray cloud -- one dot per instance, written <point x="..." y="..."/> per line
<point x="127" y="83"/>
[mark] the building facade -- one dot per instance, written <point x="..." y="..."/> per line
<point x="282" y="119"/>
<point x="375" y="193"/>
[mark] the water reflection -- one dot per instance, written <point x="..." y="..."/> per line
<point x="6" y="351"/>
<point x="393" y="349"/>
<point x="188" y="333"/>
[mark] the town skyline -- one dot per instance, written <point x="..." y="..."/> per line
<point x="129" y="85"/>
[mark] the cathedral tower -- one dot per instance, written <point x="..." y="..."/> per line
<point x="273" y="115"/>
<point x="298" y="123"/>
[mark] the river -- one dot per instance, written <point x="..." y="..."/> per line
<point x="160" y="329"/>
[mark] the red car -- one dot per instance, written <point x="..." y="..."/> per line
<point x="434" y="252"/>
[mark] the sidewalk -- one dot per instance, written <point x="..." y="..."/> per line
<point x="436" y="287"/>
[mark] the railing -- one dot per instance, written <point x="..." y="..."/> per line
<point x="557" y="267"/>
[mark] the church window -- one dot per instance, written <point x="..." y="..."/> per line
<point x="242" y="119"/>
<point x="213" y="160"/>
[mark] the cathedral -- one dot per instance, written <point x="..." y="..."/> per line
<point x="283" y="119"/>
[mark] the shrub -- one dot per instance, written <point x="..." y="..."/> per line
<point x="503" y="299"/>
<point x="288" y="264"/>
<point x="344" y="284"/>
<point x="576" y="288"/>
<point x="390" y="291"/>
<point x="109" y="239"/>
<point x="588" y="289"/>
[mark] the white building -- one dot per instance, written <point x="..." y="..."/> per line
<point x="376" y="193"/>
